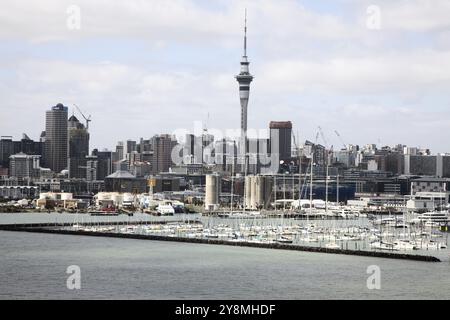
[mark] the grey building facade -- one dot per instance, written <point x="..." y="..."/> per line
<point x="280" y="138"/>
<point x="78" y="148"/>
<point x="56" y="138"/>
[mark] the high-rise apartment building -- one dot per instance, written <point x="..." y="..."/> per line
<point x="23" y="166"/>
<point x="56" y="142"/>
<point x="78" y="148"/>
<point x="280" y="139"/>
<point x="162" y="152"/>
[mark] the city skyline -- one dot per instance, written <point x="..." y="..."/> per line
<point x="193" y="151"/>
<point x="315" y="64"/>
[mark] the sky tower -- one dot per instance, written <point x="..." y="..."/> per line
<point x="244" y="78"/>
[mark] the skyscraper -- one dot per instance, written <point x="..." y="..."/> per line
<point x="105" y="163"/>
<point x="244" y="79"/>
<point x="280" y="138"/>
<point x="55" y="147"/>
<point x="6" y="150"/>
<point x="162" y="152"/>
<point x="78" y="148"/>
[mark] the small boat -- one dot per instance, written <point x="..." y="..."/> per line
<point x="165" y="210"/>
<point x="404" y="245"/>
<point x="332" y="245"/>
<point x="223" y="215"/>
<point x="284" y="240"/>
<point x="309" y="239"/>
<point x="77" y="226"/>
<point x="103" y="213"/>
<point x="380" y="245"/>
<point x="211" y="236"/>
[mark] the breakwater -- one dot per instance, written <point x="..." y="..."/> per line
<point x="53" y="228"/>
<point x="21" y="226"/>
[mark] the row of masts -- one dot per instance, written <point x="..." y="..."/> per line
<point x="300" y="185"/>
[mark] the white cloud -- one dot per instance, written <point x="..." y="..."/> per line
<point x="375" y="74"/>
<point x="311" y="66"/>
<point x="161" y="21"/>
<point x="416" y="15"/>
<point x="124" y="101"/>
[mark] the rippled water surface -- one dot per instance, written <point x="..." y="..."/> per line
<point x="34" y="266"/>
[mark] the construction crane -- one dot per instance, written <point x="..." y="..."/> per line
<point x="323" y="137"/>
<point x="340" y="138"/>
<point x="296" y="145"/>
<point x="88" y="119"/>
<point x="329" y="150"/>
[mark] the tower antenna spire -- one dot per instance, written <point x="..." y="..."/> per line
<point x="244" y="79"/>
<point x="245" y="34"/>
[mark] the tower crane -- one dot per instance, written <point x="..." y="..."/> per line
<point x="340" y="138"/>
<point x="323" y="137"/>
<point x="88" y="119"/>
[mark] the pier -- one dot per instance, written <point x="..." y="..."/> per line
<point x="52" y="228"/>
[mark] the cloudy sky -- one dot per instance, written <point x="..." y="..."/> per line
<point x="376" y="74"/>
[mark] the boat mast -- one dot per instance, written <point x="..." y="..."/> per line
<point x="299" y="177"/>
<point x="337" y="191"/>
<point x="275" y="190"/>
<point x="326" y="186"/>
<point x="245" y="182"/>
<point x="232" y="185"/>
<point x="284" y="191"/>
<point x="311" y="185"/>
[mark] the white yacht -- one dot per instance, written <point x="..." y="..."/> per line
<point x="433" y="217"/>
<point x="381" y="245"/>
<point x="404" y="245"/>
<point x="165" y="210"/>
<point x="385" y="221"/>
<point x="283" y="239"/>
<point x="332" y="245"/>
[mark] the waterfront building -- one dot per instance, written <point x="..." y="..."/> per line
<point x="50" y="200"/>
<point x="123" y="181"/>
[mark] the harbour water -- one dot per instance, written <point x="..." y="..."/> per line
<point x="34" y="266"/>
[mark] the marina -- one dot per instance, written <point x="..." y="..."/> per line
<point x="388" y="237"/>
<point x="114" y="268"/>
